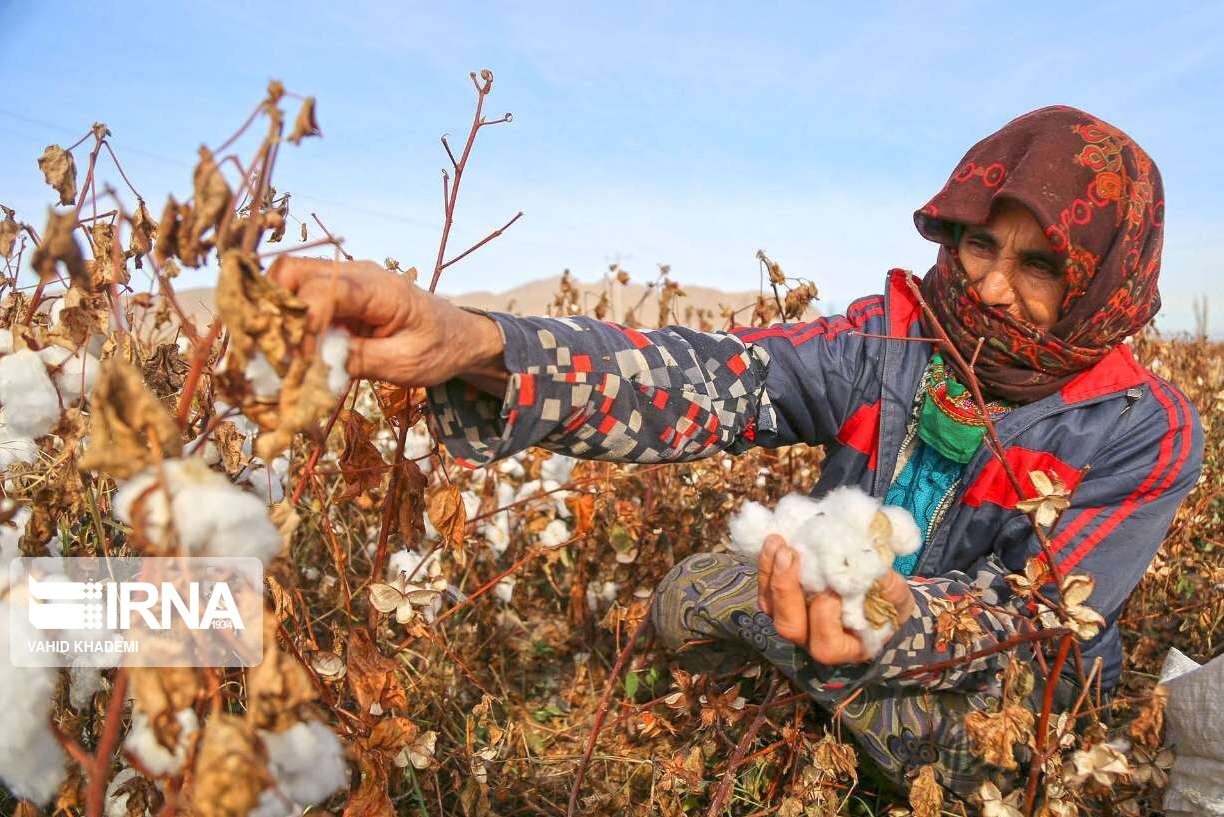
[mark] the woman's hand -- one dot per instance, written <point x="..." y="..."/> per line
<point x="815" y="623"/>
<point x="400" y="333"/>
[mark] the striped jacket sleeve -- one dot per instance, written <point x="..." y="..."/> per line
<point x="599" y="390"/>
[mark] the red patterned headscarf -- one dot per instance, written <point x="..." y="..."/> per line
<point x="1099" y="199"/>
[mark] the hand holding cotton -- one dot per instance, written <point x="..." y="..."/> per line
<point x="846" y="542"/>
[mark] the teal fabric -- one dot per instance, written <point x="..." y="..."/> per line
<point x="922" y="483"/>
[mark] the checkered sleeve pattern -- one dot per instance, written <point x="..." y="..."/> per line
<point x="984" y="606"/>
<point x="599" y="390"/>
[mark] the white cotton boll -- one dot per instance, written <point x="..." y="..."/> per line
<point x="471" y="503"/>
<point x="10" y="538"/>
<point x="557" y="468"/>
<point x="335" y="351"/>
<point x="504" y="590"/>
<point x="31" y="761"/>
<point x="31" y="403"/>
<point x="749" y="528"/>
<point x="307" y="762"/>
<point x="905" y="538"/>
<point x="511" y="467"/>
<point x="265" y="382"/>
<point x="75" y="373"/>
<point x="268" y="483"/>
<point x="554" y="534"/>
<point x="143" y="744"/>
<point x="84" y="681"/>
<point x="496" y="533"/>
<point x="845" y="541"/>
<point x="599" y="595"/>
<point x="15" y="447"/>
<point x="418" y="443"/>
<point x="851" y="504"/>
<point x="848" y="558"/>
<point x="6" y="340"/>
<point x="527" y="489"/>
<point x="211" y="515"/>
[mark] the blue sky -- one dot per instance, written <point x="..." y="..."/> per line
<point x="644" y="133"/>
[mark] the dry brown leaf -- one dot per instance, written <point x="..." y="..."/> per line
<point x="210" y="200"/>
<point x="165" y="370"/>
<point x="372" y="677"/>
<point x="168" y="231"/>
<point x="446" y="512"/>
<point x="1149" y="723"/>
<point x="926" y="795"/>
<point x="59" y="244"/>
<point x="143" y="232"/>
<point x="59" y="170"/>
<point x="278" y="686"/>
<point x="305" y="397"/>
<point x="360" y="461"/>
<point x="229" y="441"/>
<point x="162" y="691"/>
<point x="956" y="621"/>
<point x="107" y="266"/>
<point x="286" y="519"/>
<point x="259" y="314"/>
<point x="282" y="601"/>
<point x="836" y="757"/>
<point x="371" y="798"/>
<point x="8" y="232"/>
<point x="390" y="735"/>
<point x="230" y="768"/>
<point x="878" y="610"/>
<point x="129" y="428"/>
<point x="995" y="734"/>
<point x="582" y="506"/>
<point x="305" y="124"/>
<point x="410" y="521"/>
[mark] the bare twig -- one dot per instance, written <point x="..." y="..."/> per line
<point x="601" y="713"/>
<point x="737" y="757"/>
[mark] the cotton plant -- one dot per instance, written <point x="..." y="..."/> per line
<point x="267" y="480"/>
<point x="31" y="403"/>
<point x="74" y="373"/>
<point x="31" y="760"/>
<point x="846" y="541"/>
<point x="266" y="383"/>
<point x="208" y="514"/>
<point x="15" y="447"/>
<point x="408" y="598"/>
<point x="554" y="534"/>
<point x="307" y="765"/>
<point x="142" y="743"/>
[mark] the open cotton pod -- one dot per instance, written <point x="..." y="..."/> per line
<point x="74" y="373"/>
<point x="31" y="403"/>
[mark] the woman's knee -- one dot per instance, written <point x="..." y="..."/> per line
<point x="695" y="586"/>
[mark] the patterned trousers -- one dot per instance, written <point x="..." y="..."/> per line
<point x="714" y="596"/>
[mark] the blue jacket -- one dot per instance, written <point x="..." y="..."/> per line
<point x="1128" y="443"/>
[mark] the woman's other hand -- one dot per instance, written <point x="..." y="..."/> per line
<point x="400" y="333"/>
<point x="814" y="622"/>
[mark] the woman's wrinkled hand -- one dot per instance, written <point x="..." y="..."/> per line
<point x="814" y="622"/>
<point x="400" y="333"/>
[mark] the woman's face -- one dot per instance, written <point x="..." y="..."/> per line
<point x="1012" y="266"/>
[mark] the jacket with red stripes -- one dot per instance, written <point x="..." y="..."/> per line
<point x="1128" y="443"/>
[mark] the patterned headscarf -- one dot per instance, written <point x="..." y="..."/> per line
<point x="1099" y="199"/>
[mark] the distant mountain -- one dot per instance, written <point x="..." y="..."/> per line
<point x="536" y="298"/>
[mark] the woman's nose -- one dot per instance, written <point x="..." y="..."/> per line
<point x="994" y="287"/>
